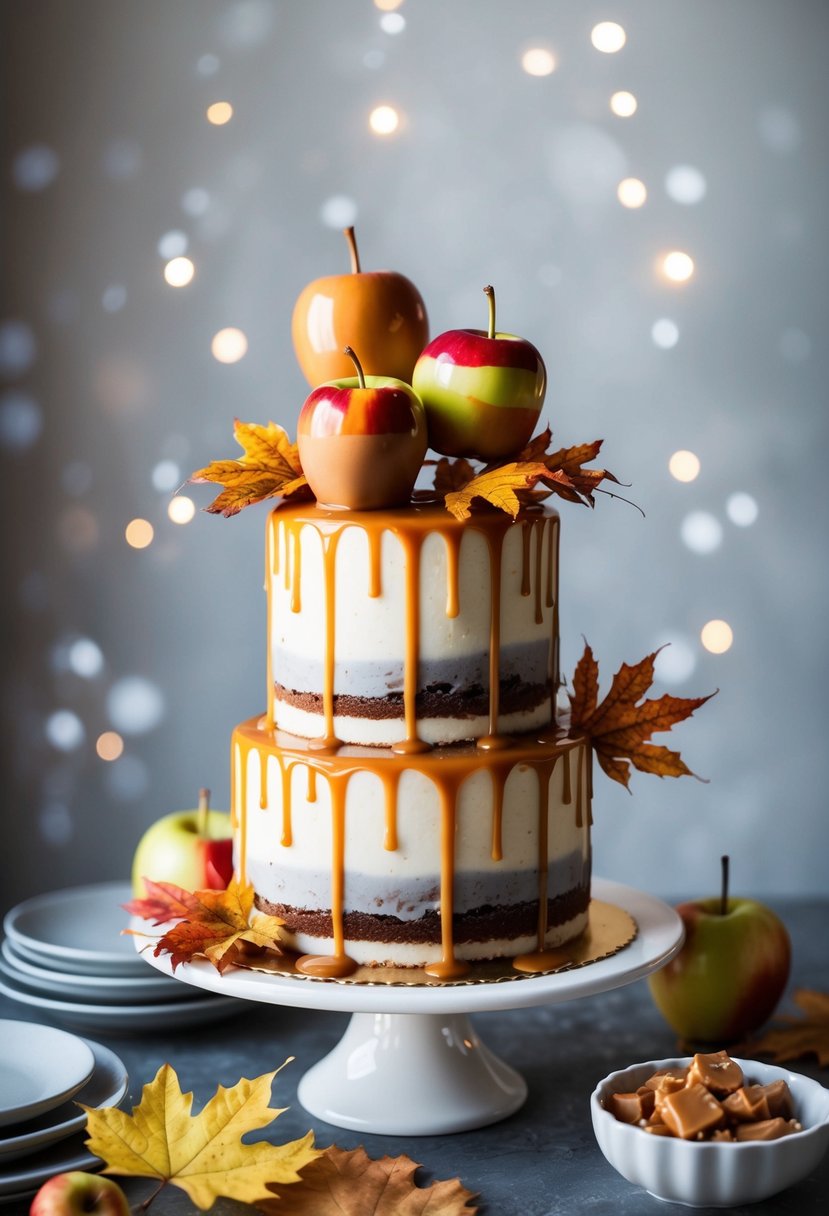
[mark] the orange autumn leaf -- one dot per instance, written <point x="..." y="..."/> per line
<point x="349" y="1183"/>
<point x="164" y="901"/>
<point x="451" y="475"/>
<point x="219" y="927"/>
<point x="791" y="1038"/>
<point x="270" y="468"/>
<point x="620" y="727"/>
<point x="500" y="487"/>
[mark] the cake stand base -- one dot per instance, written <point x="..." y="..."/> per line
<point x="411" y="1074"/>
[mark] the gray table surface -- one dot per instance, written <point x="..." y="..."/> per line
<point x="543" y="1161"/>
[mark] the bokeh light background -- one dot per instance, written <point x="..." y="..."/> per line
<point x="650" y="201"/>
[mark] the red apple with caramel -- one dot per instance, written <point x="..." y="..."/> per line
<point x="362" y="441"/>
<point x="193" y="849"/>
<point x="730" y="973"/>
<point x="380" y="313"/>
<point x="482" y="390"/>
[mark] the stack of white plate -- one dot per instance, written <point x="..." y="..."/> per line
<point x="65" y="956"/>
<point x="44" y="1073"/>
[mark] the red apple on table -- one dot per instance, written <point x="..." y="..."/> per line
<point x="482" y="390"/>
<point x="362" y="441"/>
<point x="381" y="313"/>
<point x="78" y="1194"/>
<point x="192" y="849"/>
<point x="730" y="973"/>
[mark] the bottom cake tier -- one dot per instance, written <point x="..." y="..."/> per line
<point x="418" y="860"/>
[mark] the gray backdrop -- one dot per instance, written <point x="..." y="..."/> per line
<point x="111" y="396"/>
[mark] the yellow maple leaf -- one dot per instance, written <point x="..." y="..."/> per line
<point x="270" y="468"/>
<point x="349" y="1183"/>
<point x="202" y="1154"/>
<point x="500" y="487"/>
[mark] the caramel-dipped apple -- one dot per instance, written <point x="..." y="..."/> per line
<point x="362" y="440"/>
<point x="380" y="313"/>
<point x="482" y="390"/>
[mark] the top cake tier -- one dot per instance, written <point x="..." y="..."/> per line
<point x="409" y="628"/>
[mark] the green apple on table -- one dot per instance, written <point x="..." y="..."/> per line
<point x="730" y="973"/>
<point x="79" y="1194"/>
<point x="192" y="849"/>
<point x="482" y="390"/>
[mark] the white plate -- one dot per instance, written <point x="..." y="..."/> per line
<point x="111" y="989"/>
<point x="130" y="1019"/>
<point x="69" y="1154"/>
<point x="77" y="930"/>
<point x="106" y="1087"/>
<point x="40" y="1067"/>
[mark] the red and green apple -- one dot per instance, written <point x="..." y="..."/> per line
<point x="381" y="313"/>
<point x="192" y="849"/>
<point x="362" y="440"/>
<point x="482" y="390"/>
<point x="730" y="972"/>
<point x="79" y="1194"/>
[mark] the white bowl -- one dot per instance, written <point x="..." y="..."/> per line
<point x="712" y="1174"/>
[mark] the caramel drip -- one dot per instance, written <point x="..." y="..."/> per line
<point x="542" y="959"/>
<point x="296" y="572"/>
<point x="411" y="744"/>
<point x="271" y="572"/>
<point x="263" y="781"/>
<point x="556" y="532"/>
<point x="311" y="795"/>
<point x="579" y="789"/>
<point x="499" y="779"/>
<point x="588" y="760"/>
<point x="453" y="550"/>
<point x="551" y="538"/>
<point x="567" y="792"/>
<point x="240" y="802"/>
<point x="492" y="741"/>
<point x="339" y="965"/>
<point x="329" y="550"/>
<point x="390" y="781"/>
<point x="287" y="837"/>
<point x="449" y="967"/>
<point x="538" y="527"/>
<point x="526" y="536"/>
<point x="375" y="558"/>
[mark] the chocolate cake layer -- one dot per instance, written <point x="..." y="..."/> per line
<point x="477" y="925"/>
<point x="436" y="701"/>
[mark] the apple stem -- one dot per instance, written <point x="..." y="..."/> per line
<point x="348" y="233"/>
<point x="360" y="374"/>
<point x="724" y="888"/>
<point x="204" y="807"/>
<point x="489" y="292"/>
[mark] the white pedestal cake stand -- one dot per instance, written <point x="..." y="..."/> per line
<point x="410" y="1062"/>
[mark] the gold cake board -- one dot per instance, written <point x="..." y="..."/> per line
<point x="609" y="929"/>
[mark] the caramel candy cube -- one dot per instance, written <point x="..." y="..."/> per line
<point x="747" y="1105"/>
<point x="766" y="1129"/>
<point x="669" y="1076"/>
<point x="658" y="1129"/>
<point x="692" y="1112"/>
<point x="717" y="1072"/>
<point x="779" y="1099"/>
<point x="627" y="1108"/>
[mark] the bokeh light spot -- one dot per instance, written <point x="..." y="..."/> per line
<point x="608" y="37"/>
<point x="742" y="509"/>
<point x="179" y="272"/>
<point x="195" y="201"/>
<point x="684" y="466"/>
<point x="21" y="421"/>
<point x="676" y="660"/>
<point x="109" y="745"/>
<point x="678" y="266"/>
<point x="207" y="65"/>
<point x="219" y="113"/>
<point x="55" y="824"/>
<point x="166" y="476"/>
<point x="229" y="345"/>
<point x="139" y="533"/>
<point x="35" y="168"/>
<point x="701" y="532"/>
<point x="685" y="184"/>
<point x="538" y="61"/>
<point x="181" y="509"/>
<point x="126" y="780"/>
<point x="717" y="636"/>
<point x="135" y="705"/>
<point x="64" y="730"/>
<point x="623" y="104"/>
<point x="387" y="6"/>
<point x="173" y="243"/>
<point x="392" y="23"/>
<point x="631" y="192"/>
<point x="18" y="348"/>
<point x="85" y="658"/>
<point x="384" y="120"/>
<point x="664" y="333"/>
<point x="339" y="211"/>
<point x="114" y="298"/>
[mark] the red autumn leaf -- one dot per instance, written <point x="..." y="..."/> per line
<point x="163" y="902"/>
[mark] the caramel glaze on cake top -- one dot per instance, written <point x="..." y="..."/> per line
<point x="445" y="767"/>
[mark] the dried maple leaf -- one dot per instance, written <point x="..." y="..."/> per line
<point x="202" y="1154"/>
<point x="798" y="1037"/>
<point x="163" y="902"/>
<point x="270" y="468"/>
<point x="350" y="1183"/>
<point x="451" y="475"/>
<point x="499" y="486"/>
<point x="620" y="726"/>
<point x="218" y="927"/>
